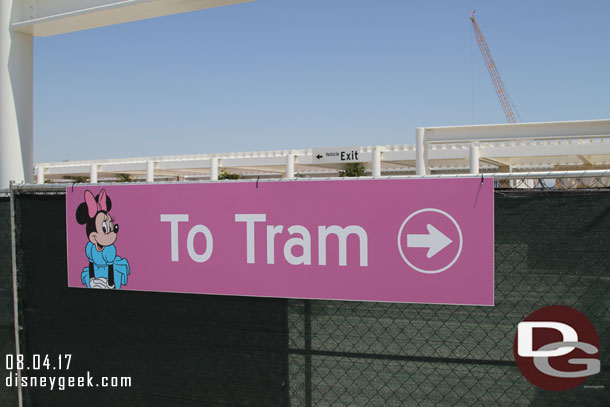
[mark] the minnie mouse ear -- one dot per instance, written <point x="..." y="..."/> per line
<point x="82" y="213"/>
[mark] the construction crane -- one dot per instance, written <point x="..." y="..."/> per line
<point x="493" y="71"/>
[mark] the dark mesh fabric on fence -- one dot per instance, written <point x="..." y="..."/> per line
<point x="181" y="350"/>
<point x="8" y="395"/>
<point x="550" y="248"/>
<point x="178" y="349"/>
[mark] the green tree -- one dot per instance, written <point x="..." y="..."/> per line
<point x="125" y="178"/>
<point x="226" y="175"/>
<point x="77" y="179"/>
<point x="353" y="170"/>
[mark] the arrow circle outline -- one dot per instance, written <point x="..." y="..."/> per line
<point x="459" y="234"/>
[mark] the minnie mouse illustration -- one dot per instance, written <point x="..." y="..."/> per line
<point x="106" y="269"/>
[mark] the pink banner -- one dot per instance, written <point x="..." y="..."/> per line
<point x="402" y="240"/>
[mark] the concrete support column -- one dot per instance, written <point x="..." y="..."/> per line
<point x="16" y="90"/>
<point x="150" y="171"/>
<point x="40" y="175"/>
<point x="421" y="151"/>
<point x="376" y="165"/>
<point x="214" y="169"/>
<point x="475" y="155"/>
<point x="93" y="174"/>
<point x="289" y="166"/>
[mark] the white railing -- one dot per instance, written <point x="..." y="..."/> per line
<point x="501" y="148"/>
<point x="532" y="135"/>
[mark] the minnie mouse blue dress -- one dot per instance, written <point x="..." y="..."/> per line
<point x="101" y="261"/>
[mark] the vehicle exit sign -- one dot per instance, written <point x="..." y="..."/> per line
<point x="334" y="155"/>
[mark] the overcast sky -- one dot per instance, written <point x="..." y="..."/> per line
<point x="279" y="74"/>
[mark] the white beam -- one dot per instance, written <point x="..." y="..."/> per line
<point x="393" y="164"/>
<point x="408" y="155"/>
<point x="547" y="148"/>
<point x="118" y="168"/>
<point x="16" y="100"/>
<point x="521" y="154"/>
<point x="254" y="161"/>
<point x="183" y="164"/>
<point x="76" y="169"/>
<point x="584" y="159"/>
<point x="496" y="162"/>
<point x="51" y="17"/>
<point x="512" y="131"/>
<point x="274" y="170"/>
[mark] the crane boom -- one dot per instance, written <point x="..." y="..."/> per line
<point x="493" y="71"/>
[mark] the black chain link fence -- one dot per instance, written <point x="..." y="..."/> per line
<point x="551" y="247"/>
<point x="8" y="395"/>
<point x="178" y="349"/>
<point x="553" y="183"/>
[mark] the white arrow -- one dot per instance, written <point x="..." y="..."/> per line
<point x="435" y="241"/>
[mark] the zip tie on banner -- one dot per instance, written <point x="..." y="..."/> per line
<point x="257" y="178"/>
<point x="482" y="179"/>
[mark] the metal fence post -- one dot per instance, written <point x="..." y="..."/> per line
<point x="15" y="296"/>
<point x="307" y="333"/>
